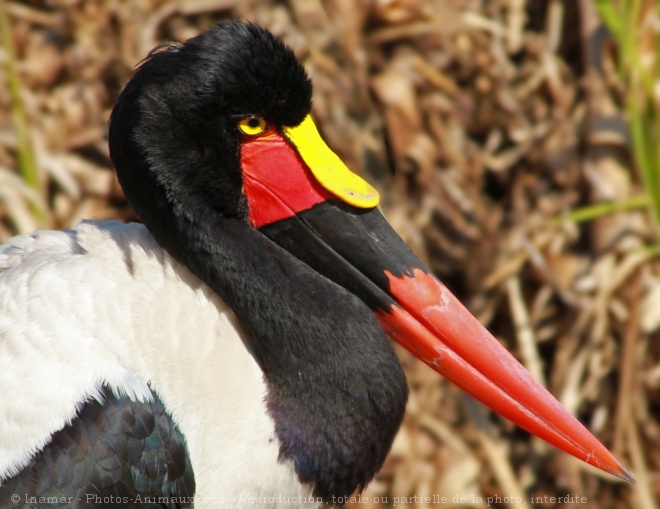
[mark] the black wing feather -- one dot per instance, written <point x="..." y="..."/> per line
<point x="120" y="453"/>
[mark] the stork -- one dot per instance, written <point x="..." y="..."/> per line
<point x="234" y="349"/>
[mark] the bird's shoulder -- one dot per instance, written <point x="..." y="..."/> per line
<point x="91" y="239"/>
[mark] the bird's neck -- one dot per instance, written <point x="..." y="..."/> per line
<point x="335" y="390"/>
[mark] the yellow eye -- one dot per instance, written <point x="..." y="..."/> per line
<point x="252" y="125"/>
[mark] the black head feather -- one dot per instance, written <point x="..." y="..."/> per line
<point x="173" y="135"/>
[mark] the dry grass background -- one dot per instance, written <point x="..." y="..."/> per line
<point x="498" y="118"/>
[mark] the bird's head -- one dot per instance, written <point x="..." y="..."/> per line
<point x="177" y="131"/>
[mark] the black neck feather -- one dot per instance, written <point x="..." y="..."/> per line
<point x="336" y="391"/>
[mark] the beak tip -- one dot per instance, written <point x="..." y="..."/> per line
<point x="626" y="476"/>
<point x="616" y="469"/>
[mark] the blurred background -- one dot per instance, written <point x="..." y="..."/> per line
<point x="516" y="147"/>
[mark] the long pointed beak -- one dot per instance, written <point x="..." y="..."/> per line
<point x="360" y="251"/>
<point x="304" y="198"/>
<point x="430" y="321"/>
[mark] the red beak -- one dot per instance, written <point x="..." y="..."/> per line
<point x="432" y="324"/>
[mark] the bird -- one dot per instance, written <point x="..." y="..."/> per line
<point x="233" y="348"/>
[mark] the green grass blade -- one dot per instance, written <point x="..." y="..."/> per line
<point x="26" y="160"/>
<point x="597" y="210"/>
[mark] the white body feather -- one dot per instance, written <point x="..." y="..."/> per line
<point x="106" y="305"/>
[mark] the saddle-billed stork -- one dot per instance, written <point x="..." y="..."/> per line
<point x="236" y="348"/>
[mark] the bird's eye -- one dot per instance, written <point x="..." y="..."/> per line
<point x="252" y="126"/>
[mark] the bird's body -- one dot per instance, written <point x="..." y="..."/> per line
<point x="117" y="274"/>
<point x="236" y="348"/>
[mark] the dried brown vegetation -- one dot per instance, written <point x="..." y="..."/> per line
<point x="498" y="118"/>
